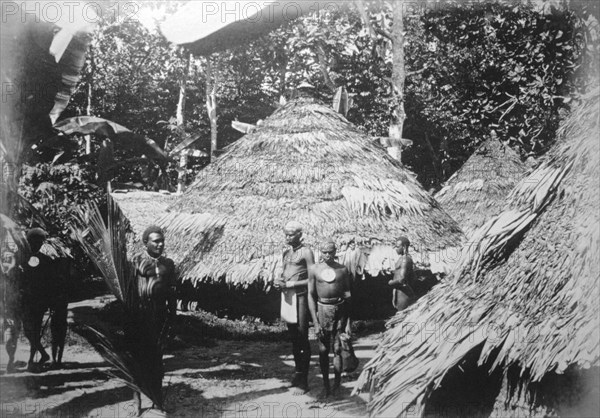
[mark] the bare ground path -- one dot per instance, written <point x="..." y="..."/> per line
<point x="228" y="378"/>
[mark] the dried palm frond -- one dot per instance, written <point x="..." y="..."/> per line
<point x="138" y="356"/>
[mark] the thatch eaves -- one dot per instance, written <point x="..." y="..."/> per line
<point x="525" y="292"/>
<point x="478" y="190"/>
<point x="306" y="163"/>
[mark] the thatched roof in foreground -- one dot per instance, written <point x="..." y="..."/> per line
<point x="526" y="289"/>
<point x="307" y="163"/>
<point x="525" y="292"/>
<point x="478" y="190"/>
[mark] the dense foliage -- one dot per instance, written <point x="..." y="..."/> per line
<point x="468" y="70"/>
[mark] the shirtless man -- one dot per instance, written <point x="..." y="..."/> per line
<point x="402" y="281"/>
<point x="329" y="303"/>
<point x="11" y="298"/>
<point x="294" y="283"/>
<point x="155" y="279"/>
<point x="36" y="281"/>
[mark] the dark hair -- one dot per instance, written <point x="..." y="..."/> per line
<point x="36" y="233"/>
<point x="152" y="229"/>
<point x="404" y="240"/>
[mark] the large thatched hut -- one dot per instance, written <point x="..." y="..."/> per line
<point x="478" y="190"/>
<point x="306" y="162"/>
<point x="521" y="308"/>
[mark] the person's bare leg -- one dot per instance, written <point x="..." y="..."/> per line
<point x="137" y="402"/>
<point x="11" y="347"/>
<point x="324" y="365"/>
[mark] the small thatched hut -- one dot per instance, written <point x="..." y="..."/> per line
<point x="478" y="190"/>
<point x="306" y="162"/>
<point x="522" y="305"/>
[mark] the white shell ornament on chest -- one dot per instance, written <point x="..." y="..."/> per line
<point x="33" y="261"/>
<point x="328" y="275"/>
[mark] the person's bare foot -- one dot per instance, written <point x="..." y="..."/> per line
<point x="324" y="394"/>
<point x="296" y="380"/>
<point x="301" y="388"/>
<point x="34" y="367"/>
<point x="10" y="368"/>
<point x="44" y="358"/>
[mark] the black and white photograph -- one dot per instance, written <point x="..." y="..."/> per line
<point x="300" y="208"/>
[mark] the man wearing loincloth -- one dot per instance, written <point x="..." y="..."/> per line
<point x="329" y="303"/>
<point x="402" y="282"/>
<point x="11" y="298"/>
<point x="154" y="296"/>
<point x="294" y="286"/>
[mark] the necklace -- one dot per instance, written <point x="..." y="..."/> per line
<point x="155" y="264"/>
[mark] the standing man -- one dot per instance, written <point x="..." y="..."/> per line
<point x="11" y="307"/>
<point x="402" y="282"/>
<point x="155" y="280"/>
<point x="154" y="301"/>
<point x="329" y="290"/>
<point x="294" y="286"/>
<point x="37" y="285"/>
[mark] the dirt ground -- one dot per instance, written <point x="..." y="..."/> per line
<point x="222" y="378"/>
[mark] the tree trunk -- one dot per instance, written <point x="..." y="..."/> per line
<point x="320" y="51"/>
<point x="88" y="109"/>
<point x="182" y="92"/>
<point x="211" y="104"/>
<point x="398" y="76"/>
<point x="181" y="121"/>
<point x="282" y="78"/>
<point x="435" y="161"/>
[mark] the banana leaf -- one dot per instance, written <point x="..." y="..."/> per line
<point x="40" y="67"/>
<point x="122" y="136"/>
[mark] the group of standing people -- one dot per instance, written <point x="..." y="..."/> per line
<point x="323" y="292"/>
<point x="33" y="284"/>
<point x="318" y="291"/>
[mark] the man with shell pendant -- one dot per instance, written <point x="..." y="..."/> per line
<point x="329" y="289"/>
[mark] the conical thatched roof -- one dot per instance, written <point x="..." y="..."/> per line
<point x="478" y="190"/>
<point x="306" y="163"/>
<point x="525" y="292"/>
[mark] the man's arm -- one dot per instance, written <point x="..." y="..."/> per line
<point x="348" y="298"/>
<point x="312" y="298"/>
<point x="172" y="296"/>
<point x="279" y="283"/>
<point x="402" y="273"/>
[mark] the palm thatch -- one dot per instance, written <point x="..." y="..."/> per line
<point x="478" y="190"/>
<point x="305" y="163"/>
<point x="525" y="293"/>
<point x="144" y="208"/>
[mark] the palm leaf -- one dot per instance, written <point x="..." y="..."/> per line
<point x="139" y="370"/>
